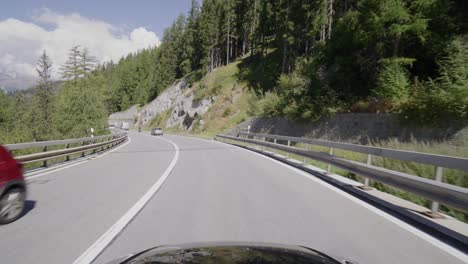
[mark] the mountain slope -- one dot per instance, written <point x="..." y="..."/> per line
<point x="216" y="102"/>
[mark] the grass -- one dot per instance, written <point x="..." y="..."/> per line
<point x="221" y="79"/>
<point x="229" y="108"/>
<point x="159" y="120"/>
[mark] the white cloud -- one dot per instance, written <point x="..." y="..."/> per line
<point x="23" y="42"/>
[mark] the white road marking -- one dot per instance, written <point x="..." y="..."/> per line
<point x="52" y="170"/>
<point x="95" y="249"/>
<point x="433" y="241"/>
<point x="112" y="150"/>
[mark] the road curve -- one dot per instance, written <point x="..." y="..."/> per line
<point x="215" y="192"/>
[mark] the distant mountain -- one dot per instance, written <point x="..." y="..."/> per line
<point x="56" y="86"/>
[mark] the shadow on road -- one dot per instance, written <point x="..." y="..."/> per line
<point x="29" y="205"/>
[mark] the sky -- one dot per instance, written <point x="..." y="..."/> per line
<point x="110" y="29"/>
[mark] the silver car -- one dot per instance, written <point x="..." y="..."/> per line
<point x="156" y="131"/>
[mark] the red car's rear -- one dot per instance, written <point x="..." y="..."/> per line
<point x="12" y="188"/>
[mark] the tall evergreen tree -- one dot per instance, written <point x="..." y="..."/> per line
<point x="74" y="67"/>
<point x="42" y="101"/>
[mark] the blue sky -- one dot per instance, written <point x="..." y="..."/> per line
<point x="154" y="15"/>
<point x="109" y="29"/>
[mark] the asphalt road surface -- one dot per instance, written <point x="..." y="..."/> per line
<point x="172" y="189"/>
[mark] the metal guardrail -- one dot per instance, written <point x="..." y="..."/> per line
<point x="425" y="158"/>
<point x="45" y="155"/>
<point x="39" y="144"/>
<point x="435" y="190"/>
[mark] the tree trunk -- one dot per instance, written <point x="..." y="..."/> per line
<point x="244" y="40"/>
<point x="322" y="32"/>
<point x="231" y="48"/>
<point x="396" y="45"/>
<point x="252" y="28"/>
<point x="228" y="39"/>
<point x="236" y="47"/>
<point x="285" y="41"/>
<point x="306" y="36"/>
<point x="285" y="52"/>
<point x="330" y="19"/>
<point x="211" y="59"/>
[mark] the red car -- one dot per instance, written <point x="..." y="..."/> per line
<point x="12" y="188"/>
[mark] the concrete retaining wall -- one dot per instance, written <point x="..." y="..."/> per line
<point x="360" y="128"/>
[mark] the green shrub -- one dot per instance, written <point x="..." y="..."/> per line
<point x="185" y="66"/>
<point x="269" y="104"/>
<point x="200" y="92"/>
<point x="446" y="96"/>
<point x="302" y="95"/>
<point x="203" y="91"/>
<point x="392" y="82"/>
<point x="253" y="107"/>
<point x="227" y="112"/>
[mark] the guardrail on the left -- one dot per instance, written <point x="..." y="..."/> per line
<point x="47" y="150"/>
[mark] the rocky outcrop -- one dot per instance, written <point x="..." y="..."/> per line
<point x="179" y="99"/>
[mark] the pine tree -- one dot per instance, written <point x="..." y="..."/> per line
<point x="73" y="68"/>
<point x="43" y="100"/>
<point x="88" y="61"/>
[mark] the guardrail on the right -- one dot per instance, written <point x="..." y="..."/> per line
<point x="435" y="190"/>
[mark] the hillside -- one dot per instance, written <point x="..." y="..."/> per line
<point x="216" y="102"/>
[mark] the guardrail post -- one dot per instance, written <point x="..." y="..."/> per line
<point x="435" y="205"/>
<point x="82" y="153"/>
<point x="94" y="150"/>
<point x="44" y="163"/>
<point x="366" y="186"/>
<point x="306" y="148"/>
<point x="264" y="140"/>
<point x="369" y="162"/>
<point x="67" y="158"/>
<point x="289" y="144"/>
<point x="329" y="168"/>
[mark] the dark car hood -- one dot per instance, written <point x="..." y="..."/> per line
<point x="229" y="252"/>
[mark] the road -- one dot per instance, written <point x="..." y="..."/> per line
<point x="203" y="191"/>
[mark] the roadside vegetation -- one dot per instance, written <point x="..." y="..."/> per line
<point x="159" y="120"/>
<point x="309" y="59"/>
<point x="56" y="110"/>
<point x="299" y="59"/>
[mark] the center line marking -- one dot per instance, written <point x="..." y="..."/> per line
<point x="95" y="249"/>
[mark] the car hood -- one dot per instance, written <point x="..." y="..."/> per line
<point x="229" y="252"/>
